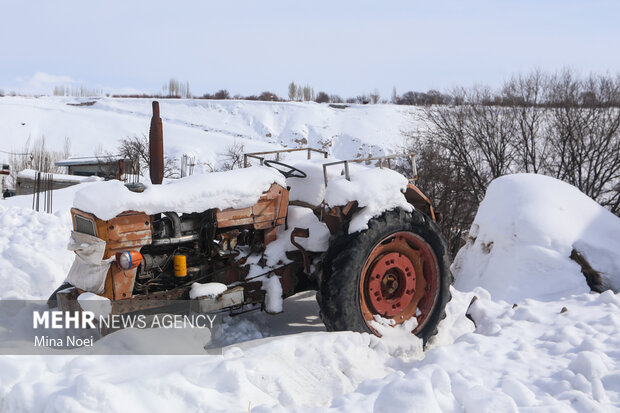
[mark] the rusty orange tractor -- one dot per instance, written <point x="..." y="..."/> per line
<point x="396" y="269"/>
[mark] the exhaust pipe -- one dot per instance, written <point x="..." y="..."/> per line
<point x="156" y="147"/>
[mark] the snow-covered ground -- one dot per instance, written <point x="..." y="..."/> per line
<point x="555" y="350"/>
<point x="203" y="128"/>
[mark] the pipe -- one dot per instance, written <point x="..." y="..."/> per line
<point x="179" y="240"/>
<point x="176" y="223"/>
<point x="156" y="147"/>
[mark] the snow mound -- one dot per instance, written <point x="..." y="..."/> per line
<point x="523" y="235"/>
<point x="239" y="188"/>
<point x="34" y="259"/>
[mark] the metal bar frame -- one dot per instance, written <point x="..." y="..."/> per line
<point x="381" y="159"/>
<point x="258" y="155"/>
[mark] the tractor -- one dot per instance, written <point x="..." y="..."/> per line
<point x="396" y="268"/>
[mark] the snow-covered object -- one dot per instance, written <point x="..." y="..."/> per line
<point x="311" y="189"/>
<point x="273" y="293"/>
<point x="298" y="217"/>
<point x="239" y="188"/>
<point x="376" y="190"/>
<point x="31" y="174"/>
<point x="522" y="237"/>
<point x="208" y="290"/>
<point x="96" y="304"/>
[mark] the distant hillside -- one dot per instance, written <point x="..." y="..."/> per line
<point x="204" y="128"/>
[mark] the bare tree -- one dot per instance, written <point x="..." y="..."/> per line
<point x="477" y="137"/>
<point x="584" y="135"/>
<point x="292" y="91"/>
<point x="136" y="149"/>
<point x="375" y="96"/>
<point x="525" y="96"/>
<point x="233" y="158"/>
<point x="322" y="97"/>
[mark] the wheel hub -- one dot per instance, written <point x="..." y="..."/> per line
<point x="391" y="284"/>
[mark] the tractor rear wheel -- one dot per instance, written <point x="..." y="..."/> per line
<point x="397" y="269"/>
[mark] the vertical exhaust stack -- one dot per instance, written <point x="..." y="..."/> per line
<point x="156" y="147"/>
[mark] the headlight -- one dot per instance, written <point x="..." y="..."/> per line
<point x="128" y="259"/>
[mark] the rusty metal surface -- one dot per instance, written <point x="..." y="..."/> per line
<point x="336" y="216"/>
<point x="301" y="233"/>
<point x="380" y="160"/>
<point x="128" y="231"/>
<point x="398" y="243"/>
<point x="420" y="201"/>
<point x="156" y="146"/>
<point x="269" y="236"/>
<point x="269" y="212"/>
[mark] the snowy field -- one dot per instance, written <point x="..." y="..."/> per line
<point x="203" y="128"/>
<point x="541" y="340"/>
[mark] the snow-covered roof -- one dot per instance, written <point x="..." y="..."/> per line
<point x="31" y="174"/>
<point x="93" y="160"/>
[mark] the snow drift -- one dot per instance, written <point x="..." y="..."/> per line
<point x="523" y="235"/>
<point x="33" y="253"/>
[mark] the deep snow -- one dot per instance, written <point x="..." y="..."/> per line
<point x="557" y="350"/>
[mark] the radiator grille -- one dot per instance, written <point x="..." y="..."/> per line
<point x="85" y="226"/>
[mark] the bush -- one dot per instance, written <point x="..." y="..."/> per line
<point x="322" y="97"/>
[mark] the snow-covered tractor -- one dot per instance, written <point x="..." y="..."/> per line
<point x="365" y="238"/>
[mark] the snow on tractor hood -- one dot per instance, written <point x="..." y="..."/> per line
<point x="239" y="188"/>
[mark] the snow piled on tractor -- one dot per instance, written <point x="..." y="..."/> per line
<point x="555" y="350"/>
<point x="239" y="188"/>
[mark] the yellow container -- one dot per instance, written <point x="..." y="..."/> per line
<point x="180" y="266"/>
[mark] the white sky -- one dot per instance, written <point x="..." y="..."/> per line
<point x="342" y="47"/>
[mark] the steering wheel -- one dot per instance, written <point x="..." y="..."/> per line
<point x="291" y="172"/>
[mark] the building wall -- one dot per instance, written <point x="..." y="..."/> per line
<point x="25" y="186"/>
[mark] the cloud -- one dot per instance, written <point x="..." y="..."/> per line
<point x="42" y="83"/>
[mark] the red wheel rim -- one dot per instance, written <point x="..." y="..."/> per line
<point x="400" y="280"/>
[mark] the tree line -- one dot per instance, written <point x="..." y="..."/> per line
<point x="561" y="125"/>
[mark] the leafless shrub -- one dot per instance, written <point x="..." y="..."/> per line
<point x="233" y="158"/>
<point x="584" y="135"/>
<point x="136" y="149"/>
<point x="268" y="96"/>
<point x="36" y="155"/>
<point x="558" y="125"/>
<point x="375" y="96"/>
<point x="222" y="94"/>
<point x="322" y="97"/>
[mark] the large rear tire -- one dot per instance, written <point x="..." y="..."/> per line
<point x="397" y="269"/>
